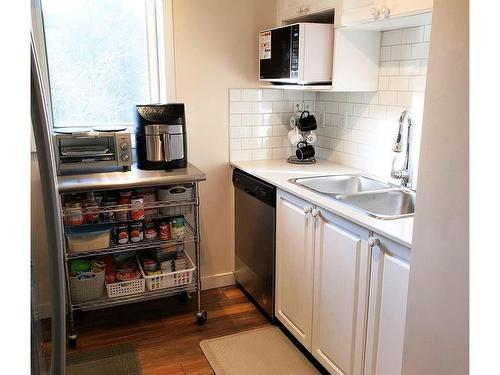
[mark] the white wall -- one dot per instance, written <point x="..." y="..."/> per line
<point x="437" y="322"/>
<point x="215" y="49"/>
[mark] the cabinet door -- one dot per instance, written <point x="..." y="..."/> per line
<point x="387" y="308"/>
<point x="408" y="7"/>
<point x="289" y="9"/>
<point x="341" y="276"/>
<point x="359" y="11"/>
<point x="294" y="266"/>
<point x="315" y="6"/>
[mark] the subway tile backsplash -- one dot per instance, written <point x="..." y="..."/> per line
<point x="354" y="128"/>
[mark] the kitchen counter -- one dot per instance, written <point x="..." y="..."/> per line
<point x="135" y="178"/>
<point x="278" y="172"/>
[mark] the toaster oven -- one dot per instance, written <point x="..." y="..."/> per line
<point x="92" y="151"/>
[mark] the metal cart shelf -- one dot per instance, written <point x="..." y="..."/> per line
<point x="191" y="235"/>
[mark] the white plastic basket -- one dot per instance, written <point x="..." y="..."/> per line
<point x="171" y="279"/>
<point x="125" y="288"/>
<point x="87" y="289"/>
<point x="175" y="193"/>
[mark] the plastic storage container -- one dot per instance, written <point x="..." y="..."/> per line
<point x="125" y="288"/>
<point x="171" y="279"/>
<point x="88" y="238"/>
<point x="87" y="289"/>
<point x="175" y="193"/>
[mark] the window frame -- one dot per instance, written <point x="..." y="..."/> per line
<point x="160" y="51"/>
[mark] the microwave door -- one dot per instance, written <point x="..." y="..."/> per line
<point x="276" y="65"/>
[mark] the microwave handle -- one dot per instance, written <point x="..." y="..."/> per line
<point x="166" y="146"/>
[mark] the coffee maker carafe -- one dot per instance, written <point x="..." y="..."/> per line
<point x="160" y="133"/>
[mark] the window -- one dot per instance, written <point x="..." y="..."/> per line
<point x="103" y="57"/>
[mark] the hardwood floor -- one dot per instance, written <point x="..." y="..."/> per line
<point x="164" y="332"/>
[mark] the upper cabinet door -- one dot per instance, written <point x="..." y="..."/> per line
<point x="408" y="7"/>
<point x="294" y="266"/>
<point x="354" y="12"/>
<point x="291" y="9"/>
<point x="341" y="276"/>
<point x="387" y="308"/>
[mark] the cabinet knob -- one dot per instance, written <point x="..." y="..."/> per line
<point x="375" y="12"/>
<point x="373" y="241"/>
<point x="307" y="209"/>
<point x="385" y="11"/>
<point x="315" y="212"/>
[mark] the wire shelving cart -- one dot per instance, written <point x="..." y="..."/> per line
<point x="184" y="282"/>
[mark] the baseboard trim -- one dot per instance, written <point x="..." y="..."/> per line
<point x="217" y="281"/>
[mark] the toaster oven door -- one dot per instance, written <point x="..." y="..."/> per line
<point x="82" y="152"/>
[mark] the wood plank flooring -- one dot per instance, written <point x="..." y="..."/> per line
<point x="164" y="332"/>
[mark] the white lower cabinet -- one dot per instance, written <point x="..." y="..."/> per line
<point x="390" y="268"/>
<point x="341" y="277"/>
<point x="341" y="290"/>
<point x="294" y="266"/>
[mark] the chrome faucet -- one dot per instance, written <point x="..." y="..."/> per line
<point x="405" y="174"/>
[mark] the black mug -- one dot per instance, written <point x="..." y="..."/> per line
<point x="304" y="151"/>
<point x="307" y="122"/>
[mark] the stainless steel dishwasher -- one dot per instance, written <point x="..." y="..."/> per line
<point x="255" y="222"/>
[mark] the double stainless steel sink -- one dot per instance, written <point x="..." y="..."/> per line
<point x="376" y="198"/>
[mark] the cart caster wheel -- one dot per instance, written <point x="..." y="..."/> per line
<point x="201" y="317"/>
<point x="185" y="297"/>
<point x="72" y="342"/>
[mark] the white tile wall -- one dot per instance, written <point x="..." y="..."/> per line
<point x="365" y="141"/>
<point x="258" y="118"/>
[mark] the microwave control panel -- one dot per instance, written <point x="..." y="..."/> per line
<point x="294" y="63"/>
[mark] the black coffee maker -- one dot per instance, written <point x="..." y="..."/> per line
<point x="160" y="133"/>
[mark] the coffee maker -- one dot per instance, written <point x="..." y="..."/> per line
<point x="160" y="133"/>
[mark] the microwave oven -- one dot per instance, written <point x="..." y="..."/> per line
<point x="300" y="53"/>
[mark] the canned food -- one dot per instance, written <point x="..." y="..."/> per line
<point x="125" y="199"/>
<point x="109" y="216"/>
<point x="178" y="227"/>
<point x="165" y="230"/>
<point x="121" y="233"/>
<point x="91" y="211"/>
<point x="137" y="212"/>
<point x="149" y="197"/>
<point x="136" y="231"/>
<point x="74" y="214"/>
<point x="150" y="231"/>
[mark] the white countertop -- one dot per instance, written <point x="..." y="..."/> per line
<point x="278" y="172"/>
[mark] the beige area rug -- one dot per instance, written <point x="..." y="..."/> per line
<point x="261" y="351"/>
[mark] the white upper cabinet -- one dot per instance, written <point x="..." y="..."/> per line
<point x="294" y="266"/>
<point x="358" y="11"/>
<point x="390" y="270"/>
<point x="384" y="12"/>
<point x="398" y="8"/>
<point x="290" y="9"/>
<point x="341" y="276"/>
